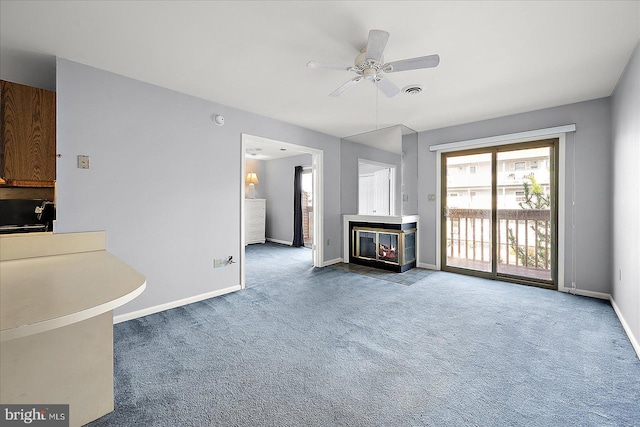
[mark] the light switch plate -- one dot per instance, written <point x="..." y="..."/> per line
<point x="83" y="162"/>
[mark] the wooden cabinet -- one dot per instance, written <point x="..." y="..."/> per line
<point x="254" y="220"/>
<point x="28" y="132"/>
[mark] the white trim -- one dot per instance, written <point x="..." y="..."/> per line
<point x="560" y="202"/>
<point x="281" y="242"/>
<point x="386" y="219"/>
<point x="332" y="261"/>
<point x="243" y="174"/>
<point x="173" y="304"/>
<point x="590" y="294"/>
<point x="318" y="207"/>
<point x="427" y="266"/>
<point x="500" y="139"/>
<point x="625" y="326"/>
<point x="438" y="210"/>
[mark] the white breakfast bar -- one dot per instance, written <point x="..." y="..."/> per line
<point x="57" y="295"/>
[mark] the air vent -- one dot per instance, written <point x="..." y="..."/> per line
<point x="412" y="90"/>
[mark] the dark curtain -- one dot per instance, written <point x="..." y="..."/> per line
<point x="298" y="236"/>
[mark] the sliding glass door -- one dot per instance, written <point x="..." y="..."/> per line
<point x="467" y="235"/>
<point x="499" y="212"/>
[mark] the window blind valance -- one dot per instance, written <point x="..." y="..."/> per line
<point x="496" y="140"/>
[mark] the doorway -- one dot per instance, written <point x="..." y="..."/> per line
<point x="499" y="212"/>
<point x="313" y="185"/>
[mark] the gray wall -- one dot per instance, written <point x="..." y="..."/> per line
<point x="164" y="180"/>
<point x="625" y="108"/>
<point x="279" y="194"/>
<point x="592" y="169"/>
<point x="410" y="176"/>
<point x="350" y="153"/>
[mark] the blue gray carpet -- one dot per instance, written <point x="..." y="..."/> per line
<point x="303" y="346"/>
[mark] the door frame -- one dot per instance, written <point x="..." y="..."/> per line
<point x="318" y="194"/>
<point x="560" y="187"/>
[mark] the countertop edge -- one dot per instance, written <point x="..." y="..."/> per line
<point x="58" y="322"/>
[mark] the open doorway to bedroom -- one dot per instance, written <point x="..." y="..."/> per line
<point x="281" y="208"/>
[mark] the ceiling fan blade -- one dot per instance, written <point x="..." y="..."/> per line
<point x="386" y="86"/>
<point x="412" y="64"/>
<point x="323" y="65"/>
<point x="376" y="44"/>
<point x="346" y="86"/>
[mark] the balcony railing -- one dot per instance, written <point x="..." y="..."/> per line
<point x="523" y="239"/>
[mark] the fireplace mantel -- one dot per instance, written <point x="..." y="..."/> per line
<point x="372" y="219"/>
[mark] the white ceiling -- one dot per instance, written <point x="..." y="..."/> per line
<point x="265" y="149"/>
<point x="496" y="58"/>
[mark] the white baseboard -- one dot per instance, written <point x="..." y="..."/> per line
<point x="585" y="293"/>
<point x="173" y="304"/>
<point x="331" y="262"/>
<point x="627" y="329"/>
<point x="282" y="242"/>
<point x="427" y="266"/>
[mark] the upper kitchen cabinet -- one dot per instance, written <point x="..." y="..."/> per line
<point x="28" y="132"/>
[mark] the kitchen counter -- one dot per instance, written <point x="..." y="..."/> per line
<point x="44" y="293"/>
<point x="57" y="295"/>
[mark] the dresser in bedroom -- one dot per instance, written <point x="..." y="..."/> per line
<point x="254" y="220"/>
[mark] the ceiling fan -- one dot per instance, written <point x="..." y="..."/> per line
<point x="370" y="65"/>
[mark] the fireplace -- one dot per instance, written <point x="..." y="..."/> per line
<point x="389" y="248"/>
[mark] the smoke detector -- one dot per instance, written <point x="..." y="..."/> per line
<point x="412" y="89"/>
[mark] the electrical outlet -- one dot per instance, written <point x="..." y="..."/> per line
<point x="327" y="242"/>
<point x="217" y="263"/>
<point x="83" y="162"/>
<point x="620" y="275"/>
<point x="431" y="197"/>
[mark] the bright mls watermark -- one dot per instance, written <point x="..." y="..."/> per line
<point x="34" y="415"/>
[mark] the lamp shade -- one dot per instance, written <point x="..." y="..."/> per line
<point x="252" y="178"/>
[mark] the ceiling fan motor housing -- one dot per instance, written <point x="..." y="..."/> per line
<point x="367" y="66"/>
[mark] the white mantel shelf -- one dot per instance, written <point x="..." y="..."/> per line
<point x="374" y="219"/>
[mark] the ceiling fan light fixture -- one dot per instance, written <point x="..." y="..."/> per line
<point x="412" y="89"/>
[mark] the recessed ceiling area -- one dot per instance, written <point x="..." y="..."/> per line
<point x="258" y="149"/>
<point x="496" y="58"/>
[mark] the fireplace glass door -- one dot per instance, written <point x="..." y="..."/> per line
<point x="367" y="244"/>
<point x="388" y="247"/>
